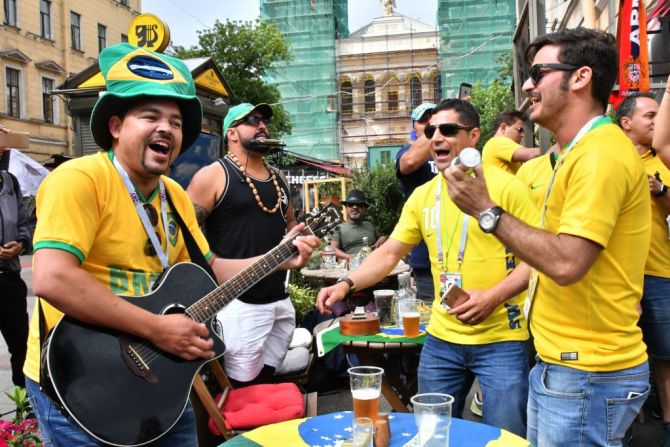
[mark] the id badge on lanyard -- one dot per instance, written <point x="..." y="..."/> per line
<point x="449" y="278"/>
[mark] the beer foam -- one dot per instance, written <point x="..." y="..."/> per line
<point x="365" y="394"/>
<point x="411" y="314"/>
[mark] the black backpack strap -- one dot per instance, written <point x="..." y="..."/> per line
<point x="191" y="245"/>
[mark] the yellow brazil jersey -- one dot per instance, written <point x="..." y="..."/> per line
<point x="600" y="194"/>
<point x="486" y="261"/>
<point x="84" y="208"/>
<point x="536" y="174"/>
<point x="658" y="262"/>
<point x="498" y="151"/>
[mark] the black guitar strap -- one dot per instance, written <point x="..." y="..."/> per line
<point x="191" y="245"/>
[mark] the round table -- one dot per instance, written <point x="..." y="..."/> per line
<point x="329" y="429"/>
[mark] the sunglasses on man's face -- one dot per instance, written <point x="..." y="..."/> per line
<point x="254" y="121"/>
<point x="446" y="129"/>
<point x="538" y="71"/>
<point x="149" y="249"/>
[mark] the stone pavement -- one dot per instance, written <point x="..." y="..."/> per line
<point x="645" y="434"/>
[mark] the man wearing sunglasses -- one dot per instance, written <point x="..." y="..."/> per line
<point x="91" y="235"/>
<point x="487" y="335"/>
<point x="637" y="116"/>
<point x="504" y="149"/>
<point x="414" y="167"/>
<point x="244" y="204"/>
<point x="591" y="376"/>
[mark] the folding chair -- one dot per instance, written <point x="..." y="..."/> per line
<point x="233" y="411"/>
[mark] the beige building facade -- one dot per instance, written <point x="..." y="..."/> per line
<point x="384" y="70"/>
<point x="42" y="43"/>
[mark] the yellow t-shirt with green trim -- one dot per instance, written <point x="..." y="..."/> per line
<point x="658" y="262"/>
<point x="486" y="261"/>
<point x="536" y="175"/>
<point x="498" y="151"/>
<point x="84" y="208"/>
<point x="601" y="194"/>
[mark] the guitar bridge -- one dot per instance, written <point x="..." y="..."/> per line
<point x="134" y="361"/>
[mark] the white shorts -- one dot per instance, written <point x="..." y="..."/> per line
<point x="255" y="335"/>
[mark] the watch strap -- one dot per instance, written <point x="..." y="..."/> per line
<point x="346" y="279"/>
<point x="663" y="191"/>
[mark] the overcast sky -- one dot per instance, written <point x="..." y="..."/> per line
<point x="186" y="17"/>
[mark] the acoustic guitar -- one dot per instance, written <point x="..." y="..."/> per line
<point x="124" y="391"/>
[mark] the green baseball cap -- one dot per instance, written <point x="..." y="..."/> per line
<point x="242" y="110"/>
<point x="421" y="109"/>
<point x="133" y="73"/>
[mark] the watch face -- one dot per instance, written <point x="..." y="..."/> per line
<point x="487" y="220"/>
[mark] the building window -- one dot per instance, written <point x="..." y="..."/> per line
<point x="45" y="19"/>
<point x="369" y="91"/>
<point x="437" y="88"/>
<point x="10" y="12"/>
<point x="392" y="99"/>
<point x="75" y="30"/>
<point x="347" y="101"/>
<point x="102" y="37"/>
<point x="47" y="100"/>
<point x="415" y="92"/>
<point x="124" y="38"/>
<point x="385" y="157"/>
<point x="13" y="78"/>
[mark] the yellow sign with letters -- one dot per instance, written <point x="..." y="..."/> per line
<point x="149" y="32"/>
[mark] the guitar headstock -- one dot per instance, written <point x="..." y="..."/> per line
<point x="324" y="220"/>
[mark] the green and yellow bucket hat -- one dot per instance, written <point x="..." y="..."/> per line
<point x="132" y="73"/>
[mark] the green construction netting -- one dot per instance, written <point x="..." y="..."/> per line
<point x="308" y="83"/>
<point x="472" y="34"/>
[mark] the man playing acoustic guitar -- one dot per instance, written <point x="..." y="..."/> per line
<point x="109" y="225"/>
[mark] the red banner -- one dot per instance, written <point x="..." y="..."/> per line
<point x="633" y="53"/>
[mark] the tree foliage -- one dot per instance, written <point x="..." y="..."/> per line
<point x="381" y="188"/>
<point x="245" y="52"/>
<point x="490" y="101"/>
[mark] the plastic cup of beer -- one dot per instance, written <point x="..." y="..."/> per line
<point x="432" y="414"/>
<point x="409" y="309"/>
<point x="366" y="385"/>
<point x="384" y="305"/>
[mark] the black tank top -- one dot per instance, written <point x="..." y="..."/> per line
<point x="237" y="228"/>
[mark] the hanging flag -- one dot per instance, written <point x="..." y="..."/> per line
<point x="633" y="53"/>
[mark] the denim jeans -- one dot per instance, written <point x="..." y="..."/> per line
<point x="570" y="407"/>
<point x="502" y="371"/>
<point x="60" y="431"/>
<point x="655" y="318"/>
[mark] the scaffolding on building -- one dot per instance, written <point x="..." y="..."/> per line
<point x="308" y="82"/>
<point x="473" y="34"/>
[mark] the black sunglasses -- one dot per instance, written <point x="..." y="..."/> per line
<point x="446" y="129"/>
<point x="149" y="249"/>
<point x="519" y="129"/>
<point x="253" y="120"/>
<point x="536" y="73"/>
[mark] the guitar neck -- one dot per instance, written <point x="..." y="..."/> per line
<point x="208" y="306"/>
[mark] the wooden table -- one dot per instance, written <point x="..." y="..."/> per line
<point x="329" y="276"/>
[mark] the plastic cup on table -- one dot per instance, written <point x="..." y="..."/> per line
<point x="432" y="414"/>
<point x="366" y="385"/>
<point x="409" y="309"/>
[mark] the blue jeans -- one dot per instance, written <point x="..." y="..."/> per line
<point x="502" y="371"/>
<point x="655" y="318"/>
<point x="570" y="407"/>
<point x="60" y="431"/>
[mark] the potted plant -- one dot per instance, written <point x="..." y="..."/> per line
<point x="22" y="430"/>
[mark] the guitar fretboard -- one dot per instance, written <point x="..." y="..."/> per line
<point x="208" y="306"/>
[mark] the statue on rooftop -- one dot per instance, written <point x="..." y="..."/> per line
<point x="388" y="5"/>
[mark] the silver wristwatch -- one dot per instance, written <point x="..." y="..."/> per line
<point x="488" y="219"/>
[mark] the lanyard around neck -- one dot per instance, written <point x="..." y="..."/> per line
<point x="144" y="217"/>
<point x="464" y="231"/>
<point x="591" y="124"/>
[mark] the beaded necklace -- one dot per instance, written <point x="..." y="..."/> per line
<point x="253" y="187"/>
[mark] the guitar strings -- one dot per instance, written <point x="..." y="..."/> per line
<point x="152" y="352"/>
